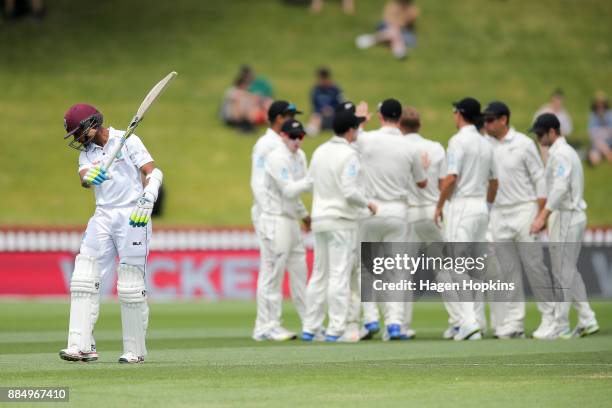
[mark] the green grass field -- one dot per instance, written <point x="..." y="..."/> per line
<point x="200" y="354"/>
<point x="110" y="53"/>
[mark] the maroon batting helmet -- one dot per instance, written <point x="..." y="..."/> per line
<point x="77" y="122"/>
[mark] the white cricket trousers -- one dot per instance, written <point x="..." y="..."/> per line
<point x="109" y="235"/>
<point x="518" y="251"/>
<point x="467" y="221"/>
<point x="281" y="247"/>
<point x="422" y="228"/>
<point x="334" y="257"/>
<point x="384" y="229"/>
<point x="566" y="233"/>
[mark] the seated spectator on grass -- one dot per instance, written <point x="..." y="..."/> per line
<point x="600" y="130"/>
<point x="325" y="98"/>
<point x="258" y="84"/>
<point x="397" y="28"/>
<point x="242" y="109"/>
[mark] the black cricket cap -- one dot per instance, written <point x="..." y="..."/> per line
<point x="544" y="123"/>
<point x="390" y="109"/>
<point x="344" y="120"/>
<point x="497" y="109"/>
<point x="346" y="105"/>
<point x="293" y="128"/>
<point x="469" y="108"/>
<point x="281" y="108"/>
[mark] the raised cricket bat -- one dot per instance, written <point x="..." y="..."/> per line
<point x="144" y="107"/>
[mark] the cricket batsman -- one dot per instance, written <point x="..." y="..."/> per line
<point x="470" y="183"/>
<point x="565" y="214"/>
<point x="120" y="227"/>
<point x="281" y="237"/>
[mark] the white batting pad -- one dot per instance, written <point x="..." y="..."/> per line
<point x="84" y="302"/>
<point x="134" y="308"/>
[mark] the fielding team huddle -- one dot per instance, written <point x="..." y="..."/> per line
<point x="393" y="185"/>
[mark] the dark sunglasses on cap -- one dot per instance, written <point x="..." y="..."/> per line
<point x="296" y="136"/>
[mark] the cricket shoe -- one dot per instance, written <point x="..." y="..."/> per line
<point x="369" y="330"/>
<point x="583" y="331"/>
<point x="468" y="332"/>
<point x="544" y="330"/>
<point x="563" y="333"/>
<point x="319" y="335"/>
<point x="450" y="333"/>
<point x="72" y="354"/>
<point x="393" y="332"/>
<point x="351" y="334"/>
<point x="509" y="334"/>
<point x="407" y="335"/>
<point x="131" y="358"/>
<point x="332" y="339"/>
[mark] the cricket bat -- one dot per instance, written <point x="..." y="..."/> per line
<point x="144" y="107"/>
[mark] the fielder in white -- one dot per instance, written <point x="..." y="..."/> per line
<point x="471" y="183"/>
<point x="119" y="227"/>
<point x="564" y="212"/>
<point x="337" y="205"/>
<point x="422" y="205"/>
<point x="280" y="234"/>
<point x="391" y="166"/>
<point x="521" y="195"/>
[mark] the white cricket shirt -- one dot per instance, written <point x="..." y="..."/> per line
<point x="564" y="178"/>
<point x="264" y="145"/>
<point x="125" y="187"/>
<point x="285" y="179"/>
<point x="391" y="165"/>
<point x="520" y="170"/>
<point x="470" y="157"/>
<point x="338" y="201"/>
<point x="433" y="156"/>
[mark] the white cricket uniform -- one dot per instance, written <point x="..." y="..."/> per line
<point x="391" y="165"/>
<point x="566" y="226"/>
<point x="280" y="236"/>
<point x="422" y="206"/>
<point x="264" y="145"/>
<point x="108" y="232"/>
<point x="337" y="205"/>
<point x="470" y="158"/>
<point x="520" y="173"/>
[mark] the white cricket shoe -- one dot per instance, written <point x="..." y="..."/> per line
<point x="450" y="333"/>
<point x="130" y="358"/>
<point x="365" y="41"/>
<point x="275" y="334"/>
<point x="583" y="331"/>
<point x="545" y="329"/>
<point x="509" y="333"/>
<point x="351" y="334"/>
<point x="468" y="332"/>
<point x="73" y="354"/>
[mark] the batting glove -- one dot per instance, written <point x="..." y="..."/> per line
<point x="142" y="213"/>
<point x="96" y="176"/>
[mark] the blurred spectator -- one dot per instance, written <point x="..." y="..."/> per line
<point x="14" y="9"/>
<point x="348" y="6"/>
<point x="259" y="85"/>
<point x="396" y="28"/>
<point x="600" y="129"/>
<point x="556" y="106"/>
<point x="243" y="109"/>
<point x="325" y="98"/>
